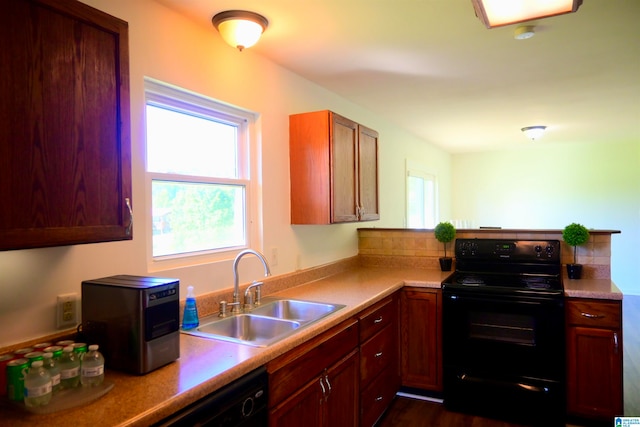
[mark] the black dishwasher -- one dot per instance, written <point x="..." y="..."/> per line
<point x="243" y="403"/>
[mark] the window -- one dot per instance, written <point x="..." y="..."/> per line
<point x="421" y="197"/>
<point x="198" y="172"/>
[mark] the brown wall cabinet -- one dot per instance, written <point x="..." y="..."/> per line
<point x="334" y="169"/>
<point x="317" y="382"/>
<point x="421" y="338"/>
<point x="379" y="359"/>
<point x="65" y="151"/>
<point x="594" y="359"/>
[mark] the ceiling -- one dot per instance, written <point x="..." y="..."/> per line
<point x="431" y="67"/>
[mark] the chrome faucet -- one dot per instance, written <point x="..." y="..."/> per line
<point x="235" y="306"/>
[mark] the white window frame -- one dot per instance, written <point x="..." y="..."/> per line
<point x="417" y="170"/>
<point x="179" y="99"/>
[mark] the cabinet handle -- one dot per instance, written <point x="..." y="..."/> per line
<point x="130" y="226"/>
<point x="379" y="399"/>
<point x="592" y="316"/>
<point x="378" y="320"/>
<point x="615" y="342"/>
<point x="379" y="354"/>
<point x="326" y="379"/>
<point x="324" y="391"/>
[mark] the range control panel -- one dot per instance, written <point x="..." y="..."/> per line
<point x="508" y="250"/>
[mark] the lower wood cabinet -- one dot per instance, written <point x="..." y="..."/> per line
<point x="379" y="356"/>
<point x="317" y="383"/>
<point x="421" y="338"/>
<point x="594" y="359"/>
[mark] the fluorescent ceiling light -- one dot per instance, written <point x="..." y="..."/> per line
<point x="496" y="13"/>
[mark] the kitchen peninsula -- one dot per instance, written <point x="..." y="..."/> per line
<point x="359" y="283"/>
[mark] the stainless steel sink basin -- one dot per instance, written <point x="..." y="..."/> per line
<point x="266" y="324"/>
<point x="300" y="311"/>
<point x="247" y="329"/>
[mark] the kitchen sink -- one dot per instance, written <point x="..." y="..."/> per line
<point x="249" y="329"/>
<point x="297" y="310"/>
<point x="266" y="324"/>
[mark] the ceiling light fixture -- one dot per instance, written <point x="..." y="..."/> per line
<point x="240" y="28"/>
<point x="496" y="13"/>
<point x="534" y="132"/>
<point x="524" y="32"/>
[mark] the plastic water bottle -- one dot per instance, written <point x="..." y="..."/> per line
<point x="69" y="368"/>
<point x="51" y="365"/>
<point x="190" y="317"/>
<point x="37" y="385"/>
<point x="92" y="367"/>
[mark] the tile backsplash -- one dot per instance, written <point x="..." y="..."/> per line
<point x="419" y="248"/>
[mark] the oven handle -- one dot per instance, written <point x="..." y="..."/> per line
<point x="503" y="384"/>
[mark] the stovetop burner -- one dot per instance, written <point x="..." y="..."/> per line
<point x="505" y="266"/>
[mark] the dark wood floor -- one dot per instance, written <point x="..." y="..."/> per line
<point x="409" y="412"/>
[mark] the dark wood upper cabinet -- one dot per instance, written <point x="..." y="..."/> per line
<point x="65" y="149"/>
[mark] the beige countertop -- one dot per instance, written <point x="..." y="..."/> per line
<point x="592" y="288"/>
<point x="206" y="365"/>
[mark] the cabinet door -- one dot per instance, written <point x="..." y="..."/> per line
<point x="594" y="372"/>
<point x="328" y="400"/>
<point x="65" y="166"/>
<point x="342" y="403"/>
<point x="344" y="169"/>
<point x="368" y="174"/>
<point x="306" y="407"/>
<point x="421" y="337"/>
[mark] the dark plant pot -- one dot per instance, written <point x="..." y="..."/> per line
<point x="574" y="271"/>
<point x="445" y="263"/>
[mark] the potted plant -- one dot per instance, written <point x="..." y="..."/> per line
<point x="575" y="235"/>
<point x="445" y="232"/>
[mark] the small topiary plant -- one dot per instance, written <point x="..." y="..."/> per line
<point x="575" y="235"/>
<point x="445" y="232"/>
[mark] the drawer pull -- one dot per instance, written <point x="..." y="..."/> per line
<point x="379" y="354"/>
<point x="378" y="320"/>
<point x="591" y="316"/>
<point x="326" y="380"/>
<point x="379" y="399"/>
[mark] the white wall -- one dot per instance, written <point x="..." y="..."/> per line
<point x="165" y="46"/>
<point x="548" y="185"/>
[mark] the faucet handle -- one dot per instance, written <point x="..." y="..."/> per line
<point x="258" y="295"/>
<point x="248" y="297"/>
<point x="223" y="309"/>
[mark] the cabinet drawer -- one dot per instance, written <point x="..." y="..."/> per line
<point x="594" y="313"/>
<point x="377" y="317"/>
<point x="377" y="397"/>
<point x="292" y="370"/>
<point x="376" y="354"/>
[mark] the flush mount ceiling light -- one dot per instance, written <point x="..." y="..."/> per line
<point x="534" y="132"/>
<point x="240" y="28"/>
<point x="496" y="13"/>
<point x="524" y="32"/>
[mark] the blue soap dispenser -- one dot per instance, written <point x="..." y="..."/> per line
<point x="190" y="317"/>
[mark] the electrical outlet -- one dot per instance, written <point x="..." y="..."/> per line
<point x="274" y="256"/>
<point x="67" y="311"/>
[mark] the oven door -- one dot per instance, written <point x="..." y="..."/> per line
<point x="503" y="351"/>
